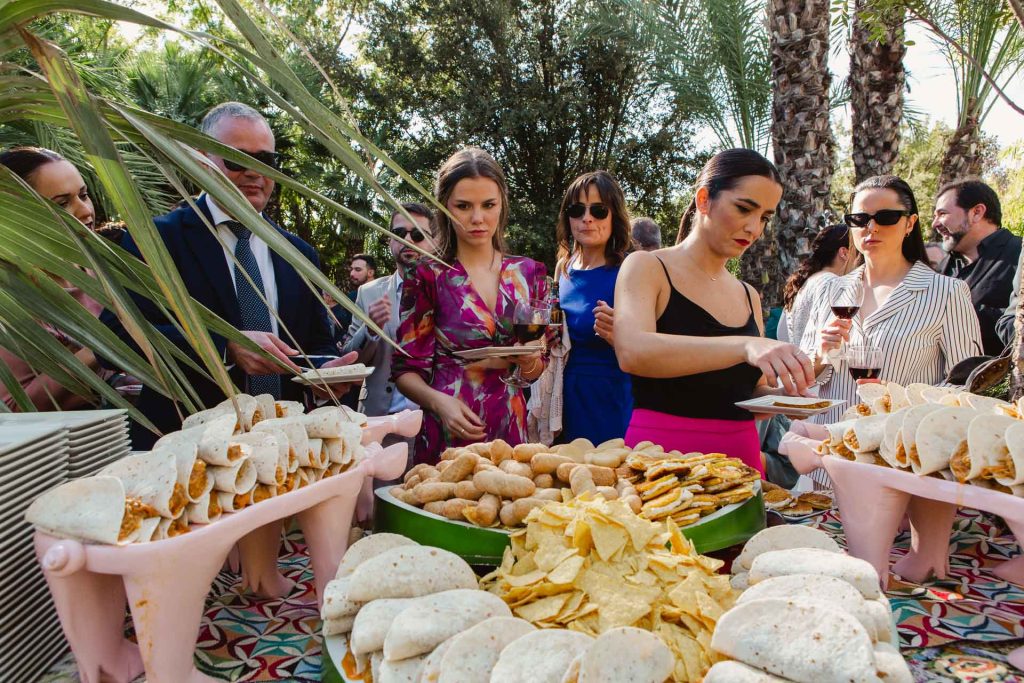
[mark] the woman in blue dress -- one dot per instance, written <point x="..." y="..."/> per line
<point x="593" y="237"/>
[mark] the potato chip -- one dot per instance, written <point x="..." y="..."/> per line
<point x="567" y="571"/>
<point x="543" y="609"/>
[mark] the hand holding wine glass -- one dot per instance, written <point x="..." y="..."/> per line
<point x="530" y="321"/>
<point x="846" y="303"/>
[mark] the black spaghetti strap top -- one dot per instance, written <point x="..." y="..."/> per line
<point x="708" y="395"/>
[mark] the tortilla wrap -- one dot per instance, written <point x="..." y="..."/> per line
<point x="191" y="469"/>
<point x="865" y="434"/>
<point x="941" y="395"/>
<point x="90" y="509"/>
<point x="539" y="656"/>
<point x="627" y="655"/>
<point x="985" y="435"/>
<point x="858" y="573"/>
<point x="807" y="642"/>
<point x="171" y="528"/>
<point x="262" y="492"/>
<point x="376" y="659"/>
<point x="319" y="456"/>
<point x="906" y="440"/>
<point x="335" y="451"/>
<point x="325" y="422"/>
<point x="940" y="435"/>
<point x="572" y="674"/>
<point x="233" y="502"/>
<point x="400" y="670"/>
<point x="152" y="478"/>
<point x="334" y="468"/>
<point x="740" y="581"/>
<point x="206" y="510"/>
<point x="914" y="397"/>
<point x="890" y="434"/>
<point x="367" y="547"/>
<point x="837" y="431"/>
<point x="826" y="589"/>
<point x="1015" y="455"/>
<point x="891" y="666"/>
<point x="897" y="396"/>
<point x="215" y="439"/>
<point x="205" y="416"/>
<point x="433" y="619"/>
<point x="730" y="671"/>
<point x="871" y="394"/>
<point x="240" y="477"/>
<point x="298" y="441"/>
<point x="984" y="404"/>
<point x="334" y="627"/>
<point x="409" y="572"/>
<point x="288" y="409"/>
<point x="372" y="623"/>
<point x="473" y="653"/>
<point x="782" y="538"/>
<point x="247" y="410"/>
<point x="431" y="671"/>
<point x="336" y="602"/>
<point x="265" y="453"/>
<point x="310" y="475"/>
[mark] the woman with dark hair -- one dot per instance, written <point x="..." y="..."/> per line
<point x="466" y="306"/>
<point x="831" y="256"/>
<point x="56" y="179"/>
<point x="691" y="334"/>
<point x="922" y="322"/>
<point x="593" y="237"/>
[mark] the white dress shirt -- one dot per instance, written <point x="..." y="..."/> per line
<point x="793" y="322"/>
<point x="259" y="249"/>
<point x="925" y="327"/>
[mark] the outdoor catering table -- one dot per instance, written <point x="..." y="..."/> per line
<point x="165" y="583"/>
<point x="873" y="501"/>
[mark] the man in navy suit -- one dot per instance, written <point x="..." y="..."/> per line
<point x="207" y="263"/>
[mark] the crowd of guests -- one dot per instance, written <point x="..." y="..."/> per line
<point x="658" y="343"/>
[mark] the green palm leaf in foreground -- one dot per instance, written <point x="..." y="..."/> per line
<point x="38" y="240"/>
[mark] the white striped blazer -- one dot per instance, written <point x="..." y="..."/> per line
<point x="925" y="327"/>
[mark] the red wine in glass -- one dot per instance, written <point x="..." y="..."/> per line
<point x="865" y="373"/>
<point x="528" y="332"/>
<point x="845" y="312"/>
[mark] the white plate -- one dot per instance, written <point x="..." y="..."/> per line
<point x="70" y="419"/>
<point x="763" y="404"/>
<point x="311" y="378"/>
<point x="93" y="432"/>
<point x="496" y="352"/>
<point x="17" y="459"/>
<point x="18" y="437"/>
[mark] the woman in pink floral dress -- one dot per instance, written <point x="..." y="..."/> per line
<point x="466" y="306"/>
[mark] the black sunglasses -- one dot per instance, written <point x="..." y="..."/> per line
<point x="416" y="235"/>
<point x="883" y="217"/>
<point x="598" y="211"/>
<point x="271" y="159"/>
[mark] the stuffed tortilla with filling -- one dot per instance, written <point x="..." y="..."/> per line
<point x="941" y="435"/>
<point x="91" y="509"/>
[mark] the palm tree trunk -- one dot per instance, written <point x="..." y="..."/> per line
<point x="963" y="153"/>
<point x="877" y="81"/>
<point x="802" y="140"/>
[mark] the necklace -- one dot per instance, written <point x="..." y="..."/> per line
<point x="694" y="261"/>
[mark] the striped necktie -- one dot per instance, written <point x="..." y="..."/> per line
<point x="254" y="313"/>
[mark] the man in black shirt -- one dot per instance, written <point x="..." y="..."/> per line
<point x="1005" y="326"/>
<point x="981" y="252"/>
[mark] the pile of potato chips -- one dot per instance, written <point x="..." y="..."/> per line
<point x="591" y="565"/>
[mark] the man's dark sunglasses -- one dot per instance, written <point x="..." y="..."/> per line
<point x="271" y="159"/>
<point x="883" y="217"/>
<point x="415" y="235"/>
<point x="598" y="211"/>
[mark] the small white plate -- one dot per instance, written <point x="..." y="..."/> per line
<point x="312" y="378"/>
<point x="496" y="352"/>
<point x="764" y="404"/>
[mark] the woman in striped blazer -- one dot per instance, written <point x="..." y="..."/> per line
<point x="923" y="322"/>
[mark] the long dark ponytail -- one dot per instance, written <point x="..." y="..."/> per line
<point x="723" y="172"/>
<point x="823" y="251"/>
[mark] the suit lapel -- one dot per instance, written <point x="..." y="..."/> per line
<point x="394" y="293"/>
<point x="914" y="285"/>
<point x="209" y="254"/>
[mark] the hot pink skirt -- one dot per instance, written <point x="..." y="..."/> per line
<point x="737" y="439"/>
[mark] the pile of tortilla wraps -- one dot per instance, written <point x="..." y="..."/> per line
<point x="934" y="431"/>
<point x="415" y="614"/>
<point x="808" y="613"/>
<point x="221" y="461"/>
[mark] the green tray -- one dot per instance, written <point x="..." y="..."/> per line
<point x="732" y="525"/>
<point x="474" y="544"/>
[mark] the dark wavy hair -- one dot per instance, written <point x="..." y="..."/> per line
<point x="824" y="248"/>
<point x="724" y="172"/>
<point x="469" y="162"/>
<point x="913" y="244"/>
<point x="25" y="161"/>
<point x="612" y="197"/>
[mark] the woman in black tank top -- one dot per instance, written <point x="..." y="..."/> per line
<point x="691" y="334"/>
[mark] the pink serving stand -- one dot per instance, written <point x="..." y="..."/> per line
<point x="873" y="500"/>
<point x="165" y="583"/>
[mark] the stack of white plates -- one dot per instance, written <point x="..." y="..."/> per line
<point x="33" y="458"/>
<point x="96" y="438"/>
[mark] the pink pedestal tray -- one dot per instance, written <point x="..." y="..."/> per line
<point x="873" y="501"/>
<point x="165" y="583"/>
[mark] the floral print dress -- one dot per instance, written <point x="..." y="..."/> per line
<point x="442" y="313"/>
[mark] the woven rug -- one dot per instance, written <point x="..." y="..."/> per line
<point x="954" y="631"/>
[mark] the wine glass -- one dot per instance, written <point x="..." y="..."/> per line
<point x="530" y="321"/>
<point x="864" y="362"/>
<point x="846" y="303"/>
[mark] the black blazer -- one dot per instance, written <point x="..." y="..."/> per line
<point x="200" y="260"/>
